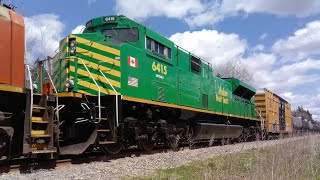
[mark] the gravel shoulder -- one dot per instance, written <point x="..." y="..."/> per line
<point x="142" y="165"/>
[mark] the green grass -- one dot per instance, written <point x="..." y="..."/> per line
<point x="292" y="160"/>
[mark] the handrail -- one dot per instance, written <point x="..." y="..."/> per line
<point x="31" y="90"/>
<point x="117" y="109"/>
<point x="99" y="101"/>
<point x="56" y="93"/>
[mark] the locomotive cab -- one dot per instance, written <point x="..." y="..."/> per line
<point x="115" y="30"/>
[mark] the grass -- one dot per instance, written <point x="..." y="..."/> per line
<point x="291" y="160"/>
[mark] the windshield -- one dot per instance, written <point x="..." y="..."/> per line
<point x="123" y="35"/>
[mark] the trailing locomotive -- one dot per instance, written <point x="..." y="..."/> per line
<point x="115" y="85"/>
<point x="21" y="133"/>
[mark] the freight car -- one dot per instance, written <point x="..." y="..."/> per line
<point x="297" y="125"/>
<point x="302" y="126"/>
<point x="275" y="112"/>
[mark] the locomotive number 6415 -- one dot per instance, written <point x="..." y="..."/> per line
<point x="160" y="68"/>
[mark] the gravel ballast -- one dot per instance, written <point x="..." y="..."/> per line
<point x="142" y="165"/>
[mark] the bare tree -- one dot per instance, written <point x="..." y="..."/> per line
<point x="29" y="44"/>
<point x="39" y="41"/>
<point x="37" y="46"/>
<point x="234" y="68"/>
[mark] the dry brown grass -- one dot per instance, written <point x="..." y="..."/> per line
<point x="291" y="160"/>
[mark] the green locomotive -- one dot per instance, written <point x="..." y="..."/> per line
<point x="120" y="83"/>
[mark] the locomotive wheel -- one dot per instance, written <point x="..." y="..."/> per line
<point x="173" y="141"/>
<point x="147" y="145"/>
<point x="3" y="146"/>
<point x="243" y="138"/>
<point x="112" y="148"/>
<point x="257" y="137"/>
<point x="225" y="141"/>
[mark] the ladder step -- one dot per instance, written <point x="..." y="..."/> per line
<point x="106" y="142"/>
<point x="102" y="119"/>
<point x="40" y="136"/>
<point x="39" y="146"/>
<point x="36" y="118"/>
<point x="102" y="107"/>
<point x="39" y="133"/>
<point x="103" y="130"/>
<point x="38" y="107"/>
<point x="45" y="151"/>
<point x="43" y="122"/>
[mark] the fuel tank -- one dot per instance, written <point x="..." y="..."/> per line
<point x="207" y="131"/>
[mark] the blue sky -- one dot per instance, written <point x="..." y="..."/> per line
<point x="278" y="41"/>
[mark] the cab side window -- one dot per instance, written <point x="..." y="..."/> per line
<point x="158" y="48"/>
<point x="195" y="64"/>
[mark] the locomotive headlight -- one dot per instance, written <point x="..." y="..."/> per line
<point x="35" y="86"/>
<point x="73" y="42"/>
<point x="73" y="46"/>
<point x="69" y="83"/>
<point x="72" y="51"/>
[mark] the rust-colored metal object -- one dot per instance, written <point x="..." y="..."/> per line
<point x="12" y="47"/>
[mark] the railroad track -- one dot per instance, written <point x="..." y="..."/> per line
<point x="32" y="165"/>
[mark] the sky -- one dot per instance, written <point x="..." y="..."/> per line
<point x="278" y="41"/>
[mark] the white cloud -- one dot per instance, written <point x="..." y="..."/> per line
<point x="303" y="43"/>
<point x="211" y="45"/>
<point x="211" y="15"/>
<point x="260" y="61"/>
<point x="78" y="30"/>
<point x="140" y="9"/>
<point x="258" y="47"/>
<point x="263" y="36"/>
<point x="43" y="33"/>
<point x="296" y="8"/>
<point x="268" y="74"/>
<point x="204" y="12"/>
<point x="309" y="102"/>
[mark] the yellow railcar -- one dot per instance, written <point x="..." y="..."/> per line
<point x="275" y="112"/>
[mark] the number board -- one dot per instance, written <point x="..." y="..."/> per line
<point x="109" y="18"/>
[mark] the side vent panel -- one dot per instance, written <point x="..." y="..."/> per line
<point x="161" y="94"/>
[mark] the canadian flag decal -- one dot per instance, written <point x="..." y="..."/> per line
<point x="133" y="62"/>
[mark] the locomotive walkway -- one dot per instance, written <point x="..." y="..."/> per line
<point x="144" y="164"/>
